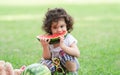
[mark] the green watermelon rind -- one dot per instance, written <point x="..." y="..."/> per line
<point x="54" y="40"/>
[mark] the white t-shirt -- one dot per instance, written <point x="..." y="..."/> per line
<point x="69" y="39"/>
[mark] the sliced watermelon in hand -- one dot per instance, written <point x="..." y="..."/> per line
<point x="54" y="38"/>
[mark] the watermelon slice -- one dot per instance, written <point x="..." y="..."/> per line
<point x="53" y="38"/>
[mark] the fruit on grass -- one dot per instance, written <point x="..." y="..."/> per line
<point x="36" y="69"/>
<point x="54" y="38"/>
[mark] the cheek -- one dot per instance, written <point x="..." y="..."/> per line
<point x="65" y="29"/>
<point x="53" y="31"/>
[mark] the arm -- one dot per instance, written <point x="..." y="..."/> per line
<point x="71" y="50"/>
<point x="45" y="45"/>
<point x="46" y="52"/>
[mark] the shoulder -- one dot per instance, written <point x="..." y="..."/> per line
<point x="69" y="39"/>
<point x="69" y="36"/>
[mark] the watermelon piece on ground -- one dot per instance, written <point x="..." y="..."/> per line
<point x="36" y="69"/>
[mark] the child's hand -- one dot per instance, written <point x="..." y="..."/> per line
<point x="44" y="41"/>
<point x="62" y="41"/>
<point x="19" y="71"/>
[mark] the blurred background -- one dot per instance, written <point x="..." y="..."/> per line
<point x="96" y="27"/>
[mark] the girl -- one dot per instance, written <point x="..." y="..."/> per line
<point x="56" y="21"/>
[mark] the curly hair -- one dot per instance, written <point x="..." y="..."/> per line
<point x="53" y="15"/>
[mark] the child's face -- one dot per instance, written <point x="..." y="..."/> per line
<point x="58" y="27"/>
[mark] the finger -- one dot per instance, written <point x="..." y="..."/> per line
<point x="48" y="40"/>
<point x="45" y="39"/>
<point x="17" y="72"/>
<point x="2" y="63"/>
<point x="9" y="68"/>
<point x="23" y="68"/>
<point x="42" y="39"/>
<point x="61" y="37"/>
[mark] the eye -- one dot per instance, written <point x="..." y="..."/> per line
<point x="62" y="26"/>
<point x="54" y="27"/>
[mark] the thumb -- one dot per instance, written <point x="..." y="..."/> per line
<point x="23" y="68"/>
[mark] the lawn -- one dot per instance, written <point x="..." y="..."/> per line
<point x="96" y="28"/>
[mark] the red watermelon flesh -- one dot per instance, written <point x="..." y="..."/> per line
<point x="54" y="38"/>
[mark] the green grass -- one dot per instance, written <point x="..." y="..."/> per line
<point x="96" y="29"/>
